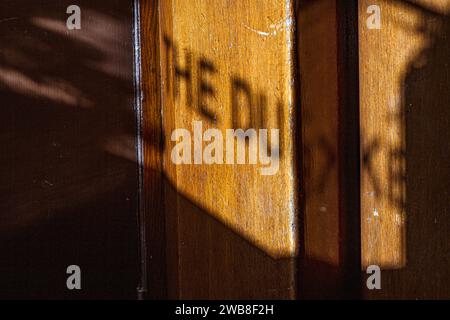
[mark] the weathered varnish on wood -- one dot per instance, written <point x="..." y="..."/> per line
<point x="404" y="101"/>
<point x="231" y="231"/>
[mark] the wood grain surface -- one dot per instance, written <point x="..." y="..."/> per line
<point x="319" y="74"/>
<point x="327" y="49"/>
<point x="153" y="240"/>
<point x="404" y="91"/>
<point x="231" y="232"/>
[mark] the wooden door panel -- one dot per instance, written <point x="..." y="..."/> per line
<point x="68" y="175"/>
<point x="230" y="231"/>
<point x="404" y="86"/>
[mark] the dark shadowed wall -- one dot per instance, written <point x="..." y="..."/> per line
<point x="68" y="177"/>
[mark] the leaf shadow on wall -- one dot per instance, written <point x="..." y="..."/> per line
<point x="66" y="105"/>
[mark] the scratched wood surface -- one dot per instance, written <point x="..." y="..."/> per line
<point x="231" y="232"/>
<point x="67" y="150"/>
<point x="404" y="91"/>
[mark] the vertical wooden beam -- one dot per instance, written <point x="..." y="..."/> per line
<point x="318" y="62"/>
<point x="232" y="231"/>
<point x="404" y="90"/>
<point x="381" y="69"/>
<point x="330" y="149"/>
<point x="152" y="236"/>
